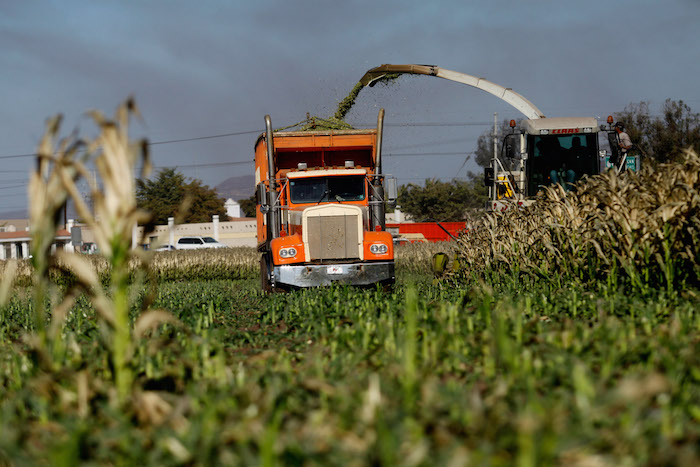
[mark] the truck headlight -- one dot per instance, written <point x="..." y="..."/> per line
<point x="288" y="252"/>
<point x="378" y="248"/>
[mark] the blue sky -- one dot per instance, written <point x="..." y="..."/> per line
<point x="215" y="67"/>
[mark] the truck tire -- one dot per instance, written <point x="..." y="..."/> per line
<point x="265" y="283"/>
<point x="389" y="286"/>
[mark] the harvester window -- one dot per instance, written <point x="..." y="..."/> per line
<point x="561" y="159"/>
<point x="327" y="189"/>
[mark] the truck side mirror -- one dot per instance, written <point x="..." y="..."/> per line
<point x="509" y="143"/>
<point x="488" y="176"/>
<point x="261" y="197"/>
<point x="391" y="191"/>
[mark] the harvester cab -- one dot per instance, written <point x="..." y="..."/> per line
<point x="551" y="151"/>
<point x="560" y="150"/>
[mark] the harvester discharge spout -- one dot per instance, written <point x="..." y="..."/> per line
<point x="523" y="105"/>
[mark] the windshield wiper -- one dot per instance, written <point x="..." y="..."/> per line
<point x="325" y="193"/>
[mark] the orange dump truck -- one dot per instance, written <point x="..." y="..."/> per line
<point x="320" y="208"/>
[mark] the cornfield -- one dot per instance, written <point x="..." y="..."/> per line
<point x="636" y="231"/>
<point x="231" y="263"/>
<point x="566" y="334"/>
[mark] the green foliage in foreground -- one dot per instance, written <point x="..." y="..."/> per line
<point x="513" y="373"/>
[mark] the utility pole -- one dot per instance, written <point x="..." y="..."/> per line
<point x="93" y="189"/>
<point x="495" y="156"/>
<point x="495" y="135"/>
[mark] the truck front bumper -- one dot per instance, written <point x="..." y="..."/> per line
<point x="314" y="275"/>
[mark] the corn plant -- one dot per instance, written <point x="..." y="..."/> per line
<point x="640" y="231"/>
<point x="112" y="219"/>
<point x="8" y="273"/>
<point x="47" y="196"/>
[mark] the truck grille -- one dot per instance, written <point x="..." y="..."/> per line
<point x="333" y="233"/>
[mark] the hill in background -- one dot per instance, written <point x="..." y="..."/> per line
<point x="236" y="188"/>
<point x="16" y="214"/>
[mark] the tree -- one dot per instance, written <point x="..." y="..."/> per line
<point x="662" y="138"/>
<point x="678" y="129"/>
<point x="484" y="145"/>
<point x="165" y="195"/>
<point x="205" y="203"/>
<point x="248" y="206"/>
<point x="442" y="201"/>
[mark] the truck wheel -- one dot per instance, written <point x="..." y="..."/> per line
<point x="389" y="286"/>
<point x="265" y="283"/>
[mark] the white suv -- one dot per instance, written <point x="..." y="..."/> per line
<point x="196" y="243"/>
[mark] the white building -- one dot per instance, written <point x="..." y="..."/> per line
<point x="237" y="232"/>
<point x="233" y="209"/>
<point x="14" y="243"/>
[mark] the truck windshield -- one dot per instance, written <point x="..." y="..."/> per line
<point x="561" y="159"/>
<point x="329" y="189"/>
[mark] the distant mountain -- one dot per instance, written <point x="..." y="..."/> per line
<point x="24" y="214"/>
<point x="19" y="214"/>
<point x="236" y="188"/>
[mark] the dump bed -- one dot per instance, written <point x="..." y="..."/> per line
<point x="318" y="149"/>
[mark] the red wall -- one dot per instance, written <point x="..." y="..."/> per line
<point x="430" y="230"/>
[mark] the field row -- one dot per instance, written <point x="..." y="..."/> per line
<point x="523" y="373"/>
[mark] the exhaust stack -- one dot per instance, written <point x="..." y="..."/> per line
<point x="273" y="224"/>
<point x="378" y="214"/>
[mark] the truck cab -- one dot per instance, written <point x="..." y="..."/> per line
<point x="320" y="215"/>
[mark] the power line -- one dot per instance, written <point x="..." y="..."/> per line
<point x="155" y="143"/>
<point x="447" y="124"/>
<point x="22" y="206"/>
<point x="225" y="164"/>
<point x="427" y="178"/>
<point x="13" y="186"/>
<point x="430" y="143"/>
<point x="18" y="156"/>
<point x="198" y="138"/>
<point x="198" y="166"/>
<point x="463" y="153"/>
<point x="248" y="132"/>
<point x="14" y="171"/>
